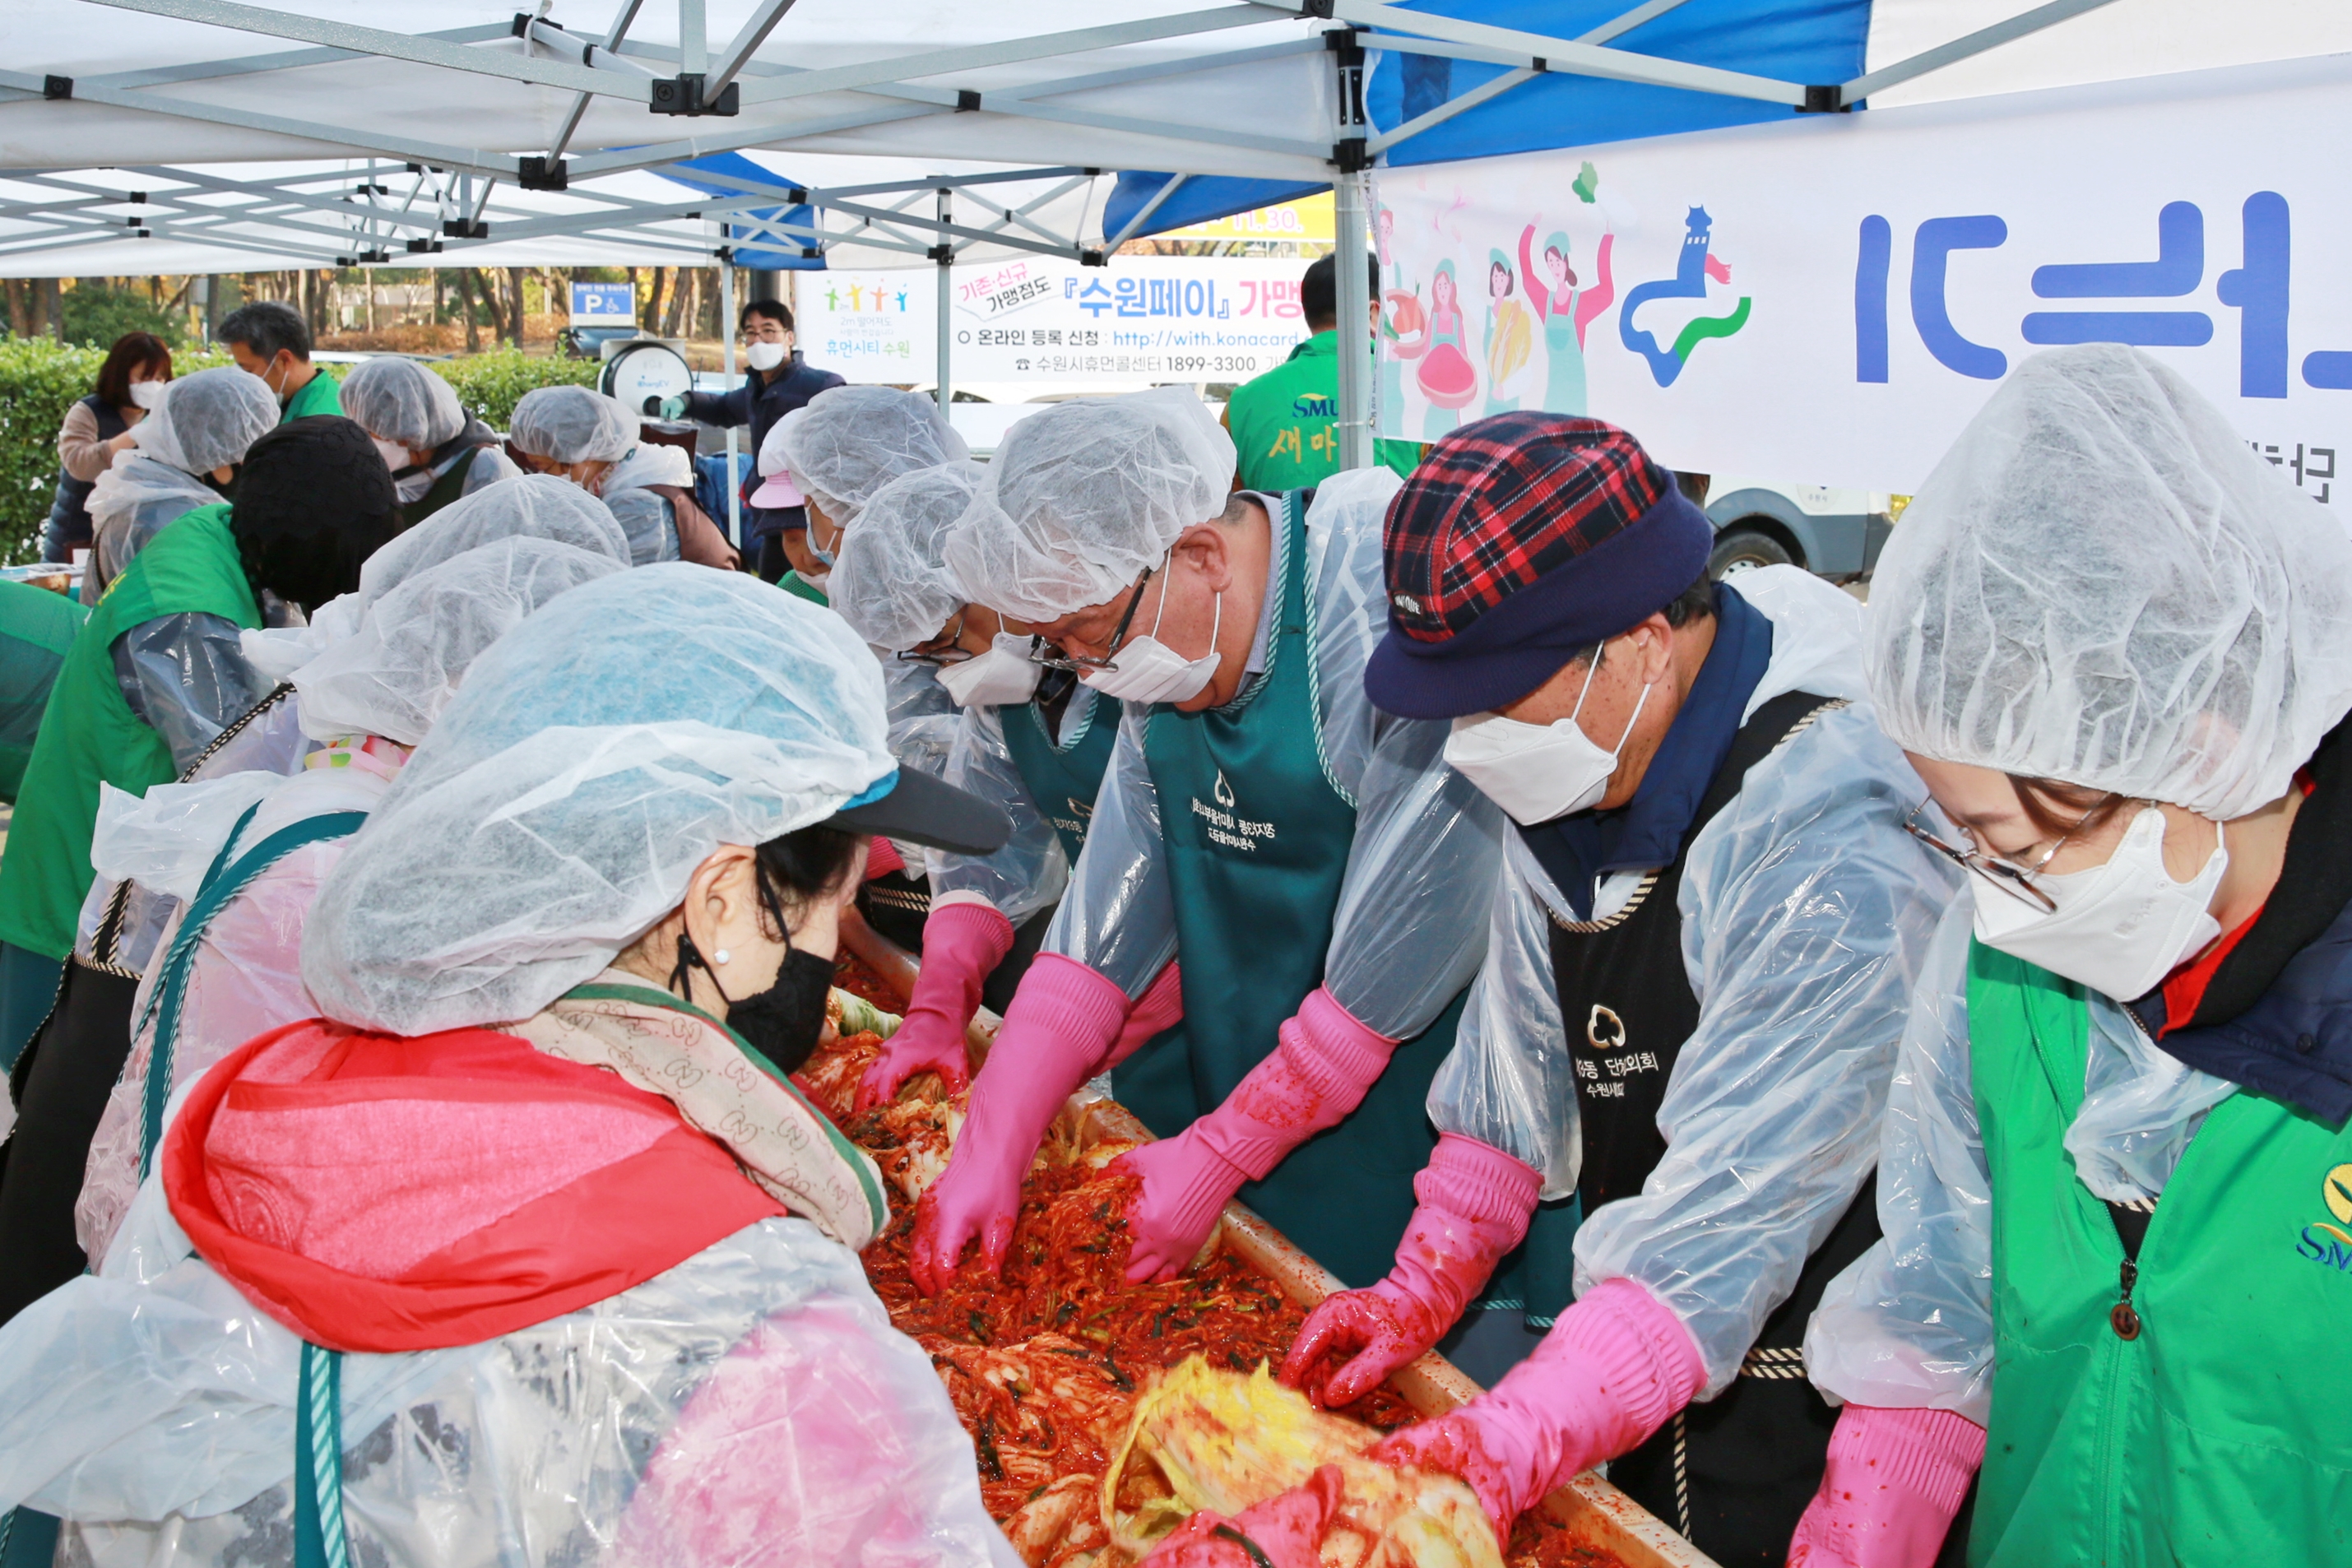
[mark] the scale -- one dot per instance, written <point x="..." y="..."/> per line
<point x="641" y="374"/>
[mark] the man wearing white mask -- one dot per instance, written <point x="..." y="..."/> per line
<point x="436" y="450"/>
<point x="1312" y="863"/>
<point x="1702" y="945"/>
<point x="968" y="704"/>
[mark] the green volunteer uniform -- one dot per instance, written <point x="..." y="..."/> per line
<point x="36" y="628"/>
<point x="1257" y="836"/>
<point x="323" y="394"/>
<point x="1063" y="776"/>
<point x="1286" y="423"/>
<point x="799" y="588"/>
<point x="89" y="735"/>
<point x="2193" y="1413"/>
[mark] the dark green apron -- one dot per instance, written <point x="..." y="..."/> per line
<point x="1062" y="778"/>
<point x="1257" y="839"/>
<point x="445" y="488"/>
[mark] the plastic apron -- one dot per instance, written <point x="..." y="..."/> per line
<point x="1257" y="836"/>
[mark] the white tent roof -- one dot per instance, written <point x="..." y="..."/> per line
<point x="250" y="127"/>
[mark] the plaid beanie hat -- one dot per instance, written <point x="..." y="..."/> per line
<point x="1521" y="540"/>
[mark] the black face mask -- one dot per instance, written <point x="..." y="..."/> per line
<point x="782" y="1023"/>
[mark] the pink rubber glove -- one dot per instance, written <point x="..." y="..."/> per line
<point x="882" y="857"/>
<point x="1474" y="1208"/>
<point x="961" y="943"/>
<point x="1612" y="1369"/>
<point x="1161" y="1007"/>
<point x="1896" y="1477"/>
<point x="1056" y="1035"/>
<point x="1321" y="1068"/>
<point x="1285" y="1530"/>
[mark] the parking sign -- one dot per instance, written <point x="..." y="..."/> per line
<point x="603" y="302"/>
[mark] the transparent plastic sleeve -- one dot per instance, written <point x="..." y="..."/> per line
<point x="1029" y="873"/>
<point x="1118" y="916"/>
<point x="185" y="675"/>
<point x="924" y="720"/>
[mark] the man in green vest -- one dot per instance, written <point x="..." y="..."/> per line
<point x="153" y="677"/>
<point x="1286" y="423"/>
<point x="270" y="340"/>
<point x="1312" y="863"/>
<point x="2116" y="1177"/>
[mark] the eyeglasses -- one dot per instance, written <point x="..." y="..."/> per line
<point x="2017" y="882"/>
<point x="949" y="652"/>
<point x="1053" y="656"/>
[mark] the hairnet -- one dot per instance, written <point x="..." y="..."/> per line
<point x="2101" y="583"/>
<point x="399" y="400"/>
<point x="573" y="424"/>
<point x="652" y="463"/>
<point x="891" y="583"/>
<point x="850" y="441"/>
<point x="393" y="675"/>
<point x="1084" y="496"/>
<point x="529" y="505"/>
<point x="207" y="420"/>
<point x="596" y="755"/>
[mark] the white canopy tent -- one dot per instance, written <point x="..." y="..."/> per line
<point x="898" y="132"/>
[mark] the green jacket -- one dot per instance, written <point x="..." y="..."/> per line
<point x="1286" y="423"/>
<point x="89" y="735"/>
<point x="323" y="394"/>
<point x="36" y="628"/>
<point x="799" y="588"/>
<point x="2217" y="1433"/>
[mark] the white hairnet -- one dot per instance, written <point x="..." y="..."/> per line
<point x="207" y="420"/>
<point x="399" y="400"/>
<point x="573" y="424"/>
<point x="393" y="675"/>
<point x="1084" y="496"/>
<point x="850" y="441"/>
<point x="2101" y="583"/>
<point x="529" y="505"/>
<point x="891" y="583"/>
<point x="652" y="463"/>
<point x="596" y="755"/>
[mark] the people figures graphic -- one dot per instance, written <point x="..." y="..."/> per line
<point x="1553" y="294"/>
<point x="1510" y="336"/>
<point x="1447" y="378"/>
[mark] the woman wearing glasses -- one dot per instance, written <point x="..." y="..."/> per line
<point x="2116" y="1182"/>
<point x="1032" y="741"/>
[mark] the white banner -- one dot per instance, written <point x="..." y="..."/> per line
<point x="1829" y="299"/>
<point x="1142" y="320"/>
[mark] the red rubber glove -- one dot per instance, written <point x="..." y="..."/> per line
<point x="1056" y="1035"/>
<point x="1896" y="1477"/>
<point x="1320" y="1069"/>
<point x="1161" y="1007"/>
<point x="961" y="943"/>
<point x="882" y="857"/>
<point x="1612" y="1369"/>
<point x="1285" y="1531"/>
<point x="1474" y="1208"/>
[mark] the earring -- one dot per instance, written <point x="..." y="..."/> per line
<point x="719" y="956"/>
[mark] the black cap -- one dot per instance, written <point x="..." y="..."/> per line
<point x="921" y="809"/>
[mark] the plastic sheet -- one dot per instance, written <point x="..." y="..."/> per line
<point x="892" y="581"/>
<point x="130" y="506"/>
<point x="573" y="424"/>
<point x="649" y="520"/>
<point x="847" y="442"/>
<point x="597" y="754"/>
<point x="924" y="720"/>
<point x="185" y="676"/>
<point x="1030" y="871"/>
<point x="398" y="400"/>
<point x="751" y="1405"/>
<point x="2101" y="583"/>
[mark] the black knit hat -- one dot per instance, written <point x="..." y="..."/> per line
<point x="312" y="501"/>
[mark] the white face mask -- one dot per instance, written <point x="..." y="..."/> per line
<point x="2119" y="928"/>
<point x="764" y="356"/>
<point x="1537" y="772"/>
<point x="148" y="394"/>
<point x="1151" y="672"/>
<point x="395" y="455"/>
<point x="1001" y="675"/>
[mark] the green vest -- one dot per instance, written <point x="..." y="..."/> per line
<point x="2219" y="1434"/>
<point x="323" y="394"/>
<point x="1257" y="836"/>
<point x="1286" y="423"/>
<point x="36" y="628"/>
<point x="1063" y="777"/>
<point x="447" y="488"/>
<point x="799" y="588"/>
<point x="88" y="733"/>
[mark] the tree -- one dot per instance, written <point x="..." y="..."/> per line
<point x="467" y="277"/>
<point x="515" y="304"/>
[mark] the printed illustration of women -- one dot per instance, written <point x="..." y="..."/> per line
<point x="1403" y="328"/>
<point x="1510" y="336"/>
<point x="1447" y="378"/>
<point x="1552" y="292"/>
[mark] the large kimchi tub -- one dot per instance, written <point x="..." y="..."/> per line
<point x="1592" y="1521"/>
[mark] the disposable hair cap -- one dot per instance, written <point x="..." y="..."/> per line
<point x="1082" y="497"/>
<point x="573" y="424"/>
<point x="850" y="441"/>
<point x="892" y="583"/>
<point x="399" y="400"/>
<point x="207" y="420"/>
<point x="594" y="756"/>
<point x="2101" y="583"/>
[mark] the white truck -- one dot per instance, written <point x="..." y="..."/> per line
<point x="1835" y="534"/>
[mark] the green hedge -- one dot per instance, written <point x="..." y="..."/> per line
<point x="39" y="380"/>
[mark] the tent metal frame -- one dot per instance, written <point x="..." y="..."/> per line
<point x="417" y="197"/>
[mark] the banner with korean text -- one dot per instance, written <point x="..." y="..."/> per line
<point x="1830" y="299"/>
<point x="1142" y="320"/>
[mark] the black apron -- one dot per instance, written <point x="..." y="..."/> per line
<point x="1733" y="1474"/>
<point x="449" y="485"/>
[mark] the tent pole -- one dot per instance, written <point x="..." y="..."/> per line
<point x="1355" y="302"/>
<point x="726" y="348"/>
<point x="944" y="254"/>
